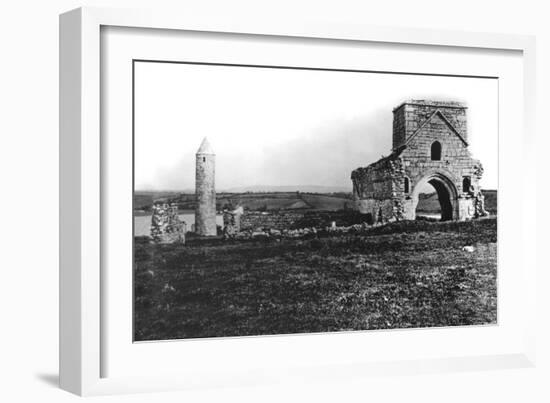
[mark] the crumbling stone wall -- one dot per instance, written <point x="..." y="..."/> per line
<point x="321" y="219"/>
<point x="232" y="221"/>
<point x="241" y="221"/>
<point x="376" y="189"/>
<point x="429" y="146"/>
<point x="166" y="227"/>
<point x="275" y="220"/>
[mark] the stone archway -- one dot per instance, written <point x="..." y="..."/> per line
<point x="447" y="194"/>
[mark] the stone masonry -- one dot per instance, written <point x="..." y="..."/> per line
<point x="239" y="220"/>
<point x="430" y="145"/>
<point x="166" y="227"/>
<point x="205" y="190"/>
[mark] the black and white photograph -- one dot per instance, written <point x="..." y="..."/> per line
<point x="272" y="200"/>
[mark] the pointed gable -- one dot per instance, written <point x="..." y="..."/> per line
<point x="441" y="116"/>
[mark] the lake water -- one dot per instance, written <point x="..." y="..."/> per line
<point x="142" y="224"/>
<point x="429" y="215"/>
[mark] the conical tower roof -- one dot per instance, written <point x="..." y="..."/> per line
<point x="205" y="147"/>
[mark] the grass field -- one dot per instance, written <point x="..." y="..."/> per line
<point x="268" y="201"/>
<point x="402" y="275"/>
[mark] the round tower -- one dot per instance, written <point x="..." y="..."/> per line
<point x="205" y="190"/>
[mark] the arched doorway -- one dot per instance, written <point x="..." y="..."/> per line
<point x="435" y="196"/>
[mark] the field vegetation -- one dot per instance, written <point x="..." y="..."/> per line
<point x="400" y="275"/>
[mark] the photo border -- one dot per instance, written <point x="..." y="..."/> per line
<point x="281" y="67"/>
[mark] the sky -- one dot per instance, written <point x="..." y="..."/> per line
<point x="286" y="127"/>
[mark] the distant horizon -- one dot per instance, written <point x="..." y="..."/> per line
<point x="233" y="190"/>
<point x="260" y="188"/>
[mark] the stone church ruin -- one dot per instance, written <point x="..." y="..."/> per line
<point x="430" y="146"/>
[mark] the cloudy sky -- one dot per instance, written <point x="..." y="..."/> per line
<point x="281" y="127"/>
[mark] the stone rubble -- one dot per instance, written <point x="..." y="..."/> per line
<point x="260" y="233"/>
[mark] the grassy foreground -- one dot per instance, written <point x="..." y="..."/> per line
<point x="408" y="274"/>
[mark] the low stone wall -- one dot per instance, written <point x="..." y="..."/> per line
<point x="270" y="220"/>
<point x="302" y="232"/>
<point x="288" y="220"/>
<point x="379" y="211"/>
<point x="321" y="219"/>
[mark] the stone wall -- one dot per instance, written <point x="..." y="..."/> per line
<point x="380" y="211"/>
<point x="378" y="180"/>
<point x="166" y="227"/>
<point x="232" y="221"/>
<point x="378" y="189"/>
<point x="275" y="220"/>
<point x="410" y="115"/>
<point x="235" y="222"/>
<point x="321" y="219"/>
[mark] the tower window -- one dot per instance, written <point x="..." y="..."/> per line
<point x="203" y="159"/>
<point x="466" y="184"/>
<point x="406" y="187"/>
<point x="436" y="151"/>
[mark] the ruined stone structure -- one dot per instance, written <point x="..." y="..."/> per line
<point x="232" y="221"/>
<point x="430" y="145"/>
<point x="239" y="220"/>
<point x="166" y="227"/>
<point x="205" y="190"/>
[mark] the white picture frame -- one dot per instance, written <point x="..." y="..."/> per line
<point x="82" y="344"/>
